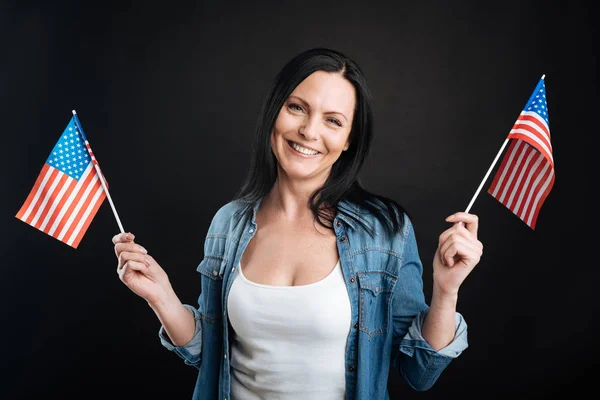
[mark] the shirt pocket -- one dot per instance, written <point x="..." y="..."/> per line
<point x="209" y="301"/>
<point x="375" y="294"/>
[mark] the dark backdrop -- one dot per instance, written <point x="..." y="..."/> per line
<point x="168" y="95"/>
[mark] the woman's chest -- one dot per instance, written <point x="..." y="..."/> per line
<point x="287" y="257"/>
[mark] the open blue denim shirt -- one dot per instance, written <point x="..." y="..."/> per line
<point x="383" y="275"/>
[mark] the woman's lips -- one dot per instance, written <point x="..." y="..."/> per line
<point x="296" y="152"/>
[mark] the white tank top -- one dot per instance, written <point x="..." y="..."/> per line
<point x="289" y="342"/>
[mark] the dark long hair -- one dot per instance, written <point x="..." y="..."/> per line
<point x="343" y="182"/>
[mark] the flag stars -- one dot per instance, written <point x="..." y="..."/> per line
<point x="68" y="154"/>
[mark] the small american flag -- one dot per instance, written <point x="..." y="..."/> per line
<point x="67" y="192"/>
<point x="526" y="174"/>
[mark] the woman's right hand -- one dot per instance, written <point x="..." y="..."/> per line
<point x="139" y="271"/>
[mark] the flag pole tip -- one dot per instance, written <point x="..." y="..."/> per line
<point x="543" y="76"/>
<point x="74" y="112"/>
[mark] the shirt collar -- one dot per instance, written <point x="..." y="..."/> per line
<point x="344" y="205"/>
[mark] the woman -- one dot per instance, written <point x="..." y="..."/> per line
<point x="311" y="285"/>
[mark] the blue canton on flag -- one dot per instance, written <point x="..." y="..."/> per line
<point x="537" y="102"/>
<point x="70" y="155"/>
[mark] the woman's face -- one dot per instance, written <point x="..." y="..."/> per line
<point x="313" y="126"/>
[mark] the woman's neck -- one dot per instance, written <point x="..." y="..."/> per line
<point x="289" y="198"/>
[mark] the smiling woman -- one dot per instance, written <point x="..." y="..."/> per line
<point x="307" y="138"/>
<point x="311" y="286"/>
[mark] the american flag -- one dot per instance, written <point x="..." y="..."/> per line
<point x="526" y="174"/>
<point x="67" y="192"/>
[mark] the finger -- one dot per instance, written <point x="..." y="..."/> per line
<point x="126" y="256"/>
<point x="456" y="229"/>
<point x="448" y="254"/>
<point x="151" y="262"/>
<point x="123" y="237"/>
<point x="470" y="221"/>
<point x="136" y="266"/>
<point x="458" y="247"/>
<point x="131" y="247"/>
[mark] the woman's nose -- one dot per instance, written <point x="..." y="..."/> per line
<point x="308" y="129"/>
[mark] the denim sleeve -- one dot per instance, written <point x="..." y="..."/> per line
<point x="419" y="364"/>
<point x="189" y="352"/>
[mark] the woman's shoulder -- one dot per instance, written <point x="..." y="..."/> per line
<point x="378" y="214"/>
<point x="232" y="208"/>
<point x="229" y="212"/>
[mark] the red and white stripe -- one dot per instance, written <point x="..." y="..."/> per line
<point x="523" y="180"/>
<point x="61" y="206"/>
<point x="533" y="129"/>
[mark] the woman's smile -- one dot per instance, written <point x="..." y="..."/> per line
<point x="301" y="151"/>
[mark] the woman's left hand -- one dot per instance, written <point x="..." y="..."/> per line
<point x="457" y="254"/>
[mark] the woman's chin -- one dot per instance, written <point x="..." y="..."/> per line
<point x="298" y="173"/>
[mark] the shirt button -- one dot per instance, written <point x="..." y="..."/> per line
<point x="226" y="356"/>
<point x="352" y="280"/>
<point x="343" y="239"/>
<point x="215" y="273"/>
<point x="351" y="368"/>
<point x="356" y="325"/>
<point x="250" y="230"/>
<point x="338" y="223"/>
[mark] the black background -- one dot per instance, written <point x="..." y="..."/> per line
<point x="168" y="95"/>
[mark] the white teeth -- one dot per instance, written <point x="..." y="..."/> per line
<point x="303" y="150"/>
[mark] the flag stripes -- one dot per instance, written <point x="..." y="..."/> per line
<point x="523" y="181"/>
<point x="61" y="206"/>
<point x="532" y="128"/>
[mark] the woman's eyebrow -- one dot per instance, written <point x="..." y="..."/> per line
<point x="308" y="105"/>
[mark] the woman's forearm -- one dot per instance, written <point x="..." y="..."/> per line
<point x="440" y="323"/>
<point x="179" y="323"/>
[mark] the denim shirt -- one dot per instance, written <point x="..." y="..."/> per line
<point x="383" y="276"/>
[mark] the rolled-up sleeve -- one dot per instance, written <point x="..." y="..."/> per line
<point x="414" y="339"/>
<point x="189" y="352"/>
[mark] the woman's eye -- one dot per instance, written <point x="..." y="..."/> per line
<point x="295" y="107"/>
<point x="335" y="121"/>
